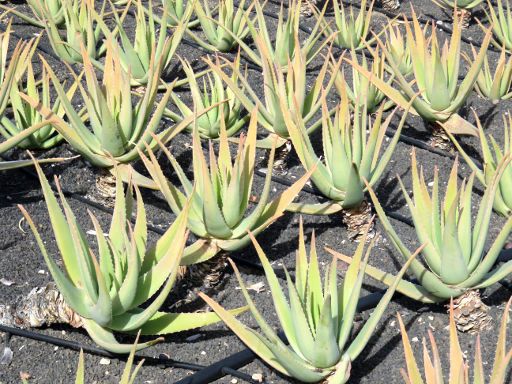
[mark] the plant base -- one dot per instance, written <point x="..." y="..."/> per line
<point x="439" y="138"/>
<point x="470" y="313"/>
<point x="42" y="306"/>
<point x="464" y="17"/>
<point x="207" y="274"/>
<point x="357" y="221"/>
<point x="390" y="5"/>
<point x="105" y="188"/>
<point x="306" y="7"/>
<point x="281" y="159"/>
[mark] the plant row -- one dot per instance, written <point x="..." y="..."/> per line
<point x="127" y="87"/>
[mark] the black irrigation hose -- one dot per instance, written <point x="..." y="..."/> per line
<point x="76" y="346"/>
<point x="161" y="361"/>
<point x="217" y="370"/>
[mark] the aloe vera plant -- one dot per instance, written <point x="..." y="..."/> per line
<point x="396" y="44"/>
<point x="122" y="123"/>
<point x="15" y="140"/>
<point x="222" y="34"/>
<point x="280" y="84"/>
<point x="176" y="12"/>
<point x="80" y="28"/>
<point x="26" y="116"/>
<point x="351" y="151"/>
<point x="493" y="155"/>
<point x="459" y="365"/>
<point x="498" y="85"/>
<point x="10" y="72"/>
<point x="501" y="22"/>
<point x="219" y="214"/>
<point x="13" y="64"/>
<point x="149" y="41"/>
<point x="454" y="258"/>
<point x="350" y="31"/>
<point x="317" y="319"/>
<point x="286" y="44"/>
<point x="439" y="95"/>
<point x="213" y="94"/>
<point x="40" y="9"/>
<point x="120" y="286"/>
<point x="363" y="91"/>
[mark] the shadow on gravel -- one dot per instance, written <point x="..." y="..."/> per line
<point x="390" y="201"/>
<point x="364" y="366"/>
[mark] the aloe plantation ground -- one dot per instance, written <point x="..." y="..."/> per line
<point x="22" y="267"/>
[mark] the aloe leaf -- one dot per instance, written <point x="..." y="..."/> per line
<point x="454" y="269"/>
<point x="74" y="297"/>
<point x="162" y="323"/>
<point x="164" y="261"/>
<point x="247" y="335"/>
<point x="413" y="371"/>
<point x="278" y="297"/>
<point x="326" y="346"/>
<point x="414" y="291"/>
<point x="327" y="208"/>
<point x="425" y="277"/>
<point x="360" y="341"/>
<point x="200" y="251"/>
<point x="106" y="339"/>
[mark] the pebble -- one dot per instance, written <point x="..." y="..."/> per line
<point x="104" y="361"/>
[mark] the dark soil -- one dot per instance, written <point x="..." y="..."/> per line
<point x="22" y="263"/>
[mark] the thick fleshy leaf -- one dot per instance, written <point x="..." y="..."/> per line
<point x="106" y="340"/>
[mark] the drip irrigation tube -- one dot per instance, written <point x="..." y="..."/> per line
<point x="161" y="361"/>
<point x="76" y="346"/>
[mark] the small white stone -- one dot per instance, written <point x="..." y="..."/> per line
<point x="414" y="340"/>
<point x="203" y="353"/>
<point x="104" y="361"/>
